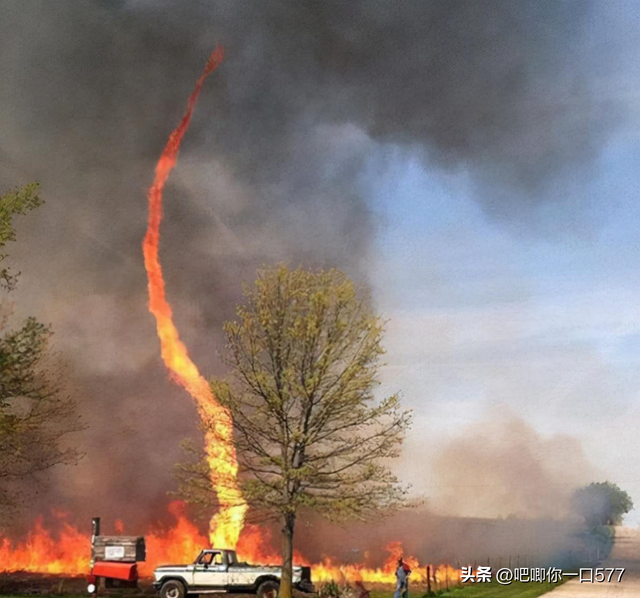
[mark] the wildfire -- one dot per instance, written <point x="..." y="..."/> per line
<point x="68" y="552"/>
<point x="227" y="523"/>
<point x="329" y="570"/>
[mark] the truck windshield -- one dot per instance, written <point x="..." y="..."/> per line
<point x="232" y="558"/>
<point x="209" y="558"/>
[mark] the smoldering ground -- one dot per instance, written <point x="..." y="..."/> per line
<point x="309" y="96"/>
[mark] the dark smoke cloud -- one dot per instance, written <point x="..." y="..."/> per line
<point x="270" y="169"/>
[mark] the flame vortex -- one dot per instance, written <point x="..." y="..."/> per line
<point x="42" y="552"/>
<point x="226" y="525"/>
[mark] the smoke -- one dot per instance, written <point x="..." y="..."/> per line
<point x="499" y="491"/>
<point x="502" y="467"/>
<point x="434" y="538"/>
<point x="309" y="95"/>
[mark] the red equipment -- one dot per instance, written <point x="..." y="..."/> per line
<point x="114" y="560"/>
<point x="123" y="571"/>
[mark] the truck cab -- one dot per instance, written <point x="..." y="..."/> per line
<point x="218" y="571"/>
<point x="211" y="568"/>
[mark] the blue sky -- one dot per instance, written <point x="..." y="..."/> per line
<point x="541" y="321"/>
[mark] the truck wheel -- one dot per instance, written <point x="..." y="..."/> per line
<point x="173" y="589"/>
<point x="268" y="589"/>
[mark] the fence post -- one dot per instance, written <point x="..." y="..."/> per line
<point x="428" y="579"/>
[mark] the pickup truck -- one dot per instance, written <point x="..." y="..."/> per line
<point x="217" y="571"/>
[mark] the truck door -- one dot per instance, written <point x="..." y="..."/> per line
<point x="210" y="571"/>
<point x="239" y="576"/>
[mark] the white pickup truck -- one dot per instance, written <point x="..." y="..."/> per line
<point x="218" y="571"/>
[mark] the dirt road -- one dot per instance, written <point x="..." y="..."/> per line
<point x="625" y="553"/>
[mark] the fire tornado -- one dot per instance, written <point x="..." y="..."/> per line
<point x="226" y="525"/>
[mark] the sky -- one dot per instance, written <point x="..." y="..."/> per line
<point x="474" y="163"/>
<point x="483" y="320"/>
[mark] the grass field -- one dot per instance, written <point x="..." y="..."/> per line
<point x="481" y="590"/>
<point x="487" y="590"/>
<point x="514" y="590"/>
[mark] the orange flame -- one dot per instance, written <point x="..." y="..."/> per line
<point x="67" y="552"/>
<point x="329" y="570"/>
<point x="226" y="525"/>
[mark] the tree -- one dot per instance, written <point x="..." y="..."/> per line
<point x="18" y="201"/>
<point x="35" y="414"/>
<point x="602" y="503"/>
<point x="303" y="356"/>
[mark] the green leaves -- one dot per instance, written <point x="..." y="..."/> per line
<point x="18" y="201"/>
<point x="309" y="433"/>
<point x="20" y="352"/>
<point x="602" y="503"/>
<point x="35" y="412"/>
<point x="303" y="360"/>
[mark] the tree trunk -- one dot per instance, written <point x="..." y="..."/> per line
<point x="286" y="581"/>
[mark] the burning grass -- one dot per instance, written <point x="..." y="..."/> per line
<point x="68" y="551"/>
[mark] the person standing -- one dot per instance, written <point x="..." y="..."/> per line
<point x="402" y="580"/>
<point x="407" y="572"/>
